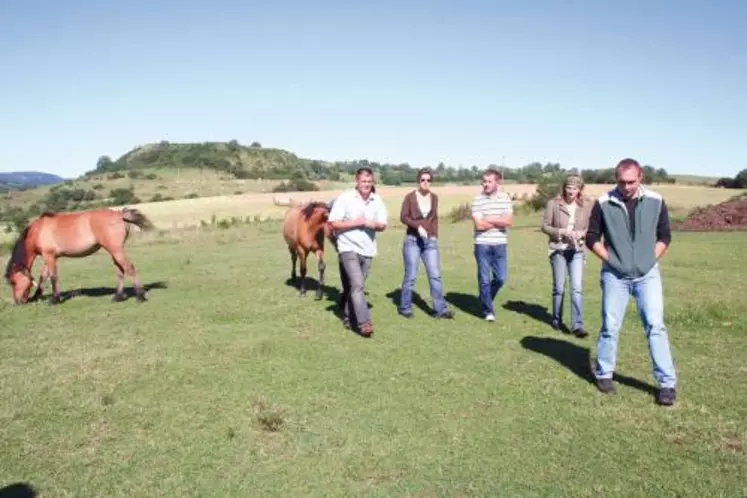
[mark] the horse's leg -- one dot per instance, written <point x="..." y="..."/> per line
<point x="129" y="269"/>
<point x="294" y="256"/>
<point x="119" y="293"/>
<point x="320" y="264"/>
<point x="39" y="289"/>
<point x="50" y="263"/>
<point x="302" y="257"/>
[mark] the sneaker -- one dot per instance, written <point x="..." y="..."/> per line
<point x="490" y="317"/>
<point x="406" y="314"/>
<point x="580" y="333"/>
<point x="666" y="396"/>
<point x="605" y="386"/>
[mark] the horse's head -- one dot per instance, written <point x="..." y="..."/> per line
<point x="17" y="274"/>
<point x="21" y="283"/>
<point x="316" y="213"/>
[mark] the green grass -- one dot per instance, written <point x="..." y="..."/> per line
<point x="226" y="383"/>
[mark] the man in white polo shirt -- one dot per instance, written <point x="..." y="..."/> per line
<point x="492" y="214"/>
<point x="356" y="215"/>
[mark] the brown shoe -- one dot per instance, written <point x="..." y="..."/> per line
<point x="366" y="329"/>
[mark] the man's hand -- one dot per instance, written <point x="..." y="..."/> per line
<point x="423" y="232"/>
<point x="601" y="251"/>
<point x="659" y="250"/>
<point x="501" y="221"/>
<point x="348" y="224"/>
<point x="374" y="225"/>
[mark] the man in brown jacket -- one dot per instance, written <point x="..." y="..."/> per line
<point x="419" y="213"/>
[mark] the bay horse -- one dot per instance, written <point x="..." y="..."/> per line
<point x="304" y="229"/>
<point x="74" y="235"/>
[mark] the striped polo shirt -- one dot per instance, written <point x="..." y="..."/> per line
<point x="484" y="206"/>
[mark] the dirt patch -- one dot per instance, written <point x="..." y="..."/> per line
<point x="728" y="215"/>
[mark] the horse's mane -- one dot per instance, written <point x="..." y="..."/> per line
<point x="18" y="256"/>
<point x="309" y="208"/>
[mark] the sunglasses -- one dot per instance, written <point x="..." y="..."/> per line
<point x="425" y="180"/>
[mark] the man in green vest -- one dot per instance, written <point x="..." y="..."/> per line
<point x="634" y="223"/>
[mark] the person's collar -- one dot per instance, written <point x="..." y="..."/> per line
<point x="371" y="195"/>
<point x="640" y="193"/>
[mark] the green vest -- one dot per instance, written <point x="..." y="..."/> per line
<point x="631" y="254"/>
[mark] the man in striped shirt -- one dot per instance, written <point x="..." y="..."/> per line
<point x="492" y="214"/>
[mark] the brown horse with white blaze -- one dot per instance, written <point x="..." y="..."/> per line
<point x="304" y="229"/>
<point x="73" y="235"/>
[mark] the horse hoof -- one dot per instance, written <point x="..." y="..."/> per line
<point x="118" y="298"/>
<point x="141" y="298"/>
<point x="54" y="300"/>
<point x="318" y="297"/>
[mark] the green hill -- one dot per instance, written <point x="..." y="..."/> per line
<point x="239" y="161"/>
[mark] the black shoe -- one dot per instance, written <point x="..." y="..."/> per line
<point x="559" y="326"/>
<point x="605" y="386"/>
<point x="446" y="314"/>
<point x="580" y="333"/>
<point x="666" y="396"/>
<point x="406" y="314"/>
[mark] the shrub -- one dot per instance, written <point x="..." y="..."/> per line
<point x="461" y="212"/>
<point x="546" y="190"/>
<point x="296" y="185"/>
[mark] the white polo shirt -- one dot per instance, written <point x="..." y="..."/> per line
<point x="350" y="206"/>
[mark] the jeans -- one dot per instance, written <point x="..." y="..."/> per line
<point x="353" y="272"/>
<point x="490" y="258"/>
<point x="568" y="263"/>
<point x="413" y="250"/>
<point x="647" y="291"/>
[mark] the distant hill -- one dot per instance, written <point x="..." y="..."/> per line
<point x="19" y="180"/>
<point x="240" y="161"/>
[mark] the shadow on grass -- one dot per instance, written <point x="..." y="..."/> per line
<point x="534" y="311"/>
<point x="578" y="360"/>
<point x="330" y="293"/>
<point x="17" y="490"/>
<point x="417" y="301"/>
<point x="129" y="291"/>
<point x="467" y="303"/>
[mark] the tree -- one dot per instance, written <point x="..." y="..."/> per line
<point x="104" y="163"/>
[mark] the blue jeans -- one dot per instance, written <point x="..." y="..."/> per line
<point x="568" y="263"/>
<point x="413" y="250"/>
<point x="647" y="291"/>
<point x="490" y="259"/>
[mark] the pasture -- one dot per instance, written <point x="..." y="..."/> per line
<point x="227" y="383"/>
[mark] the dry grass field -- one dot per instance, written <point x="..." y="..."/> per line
<point x="260" y="203"/>
<point x="190" y="212"/>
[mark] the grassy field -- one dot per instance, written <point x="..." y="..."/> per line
<point x="226" y="383"/>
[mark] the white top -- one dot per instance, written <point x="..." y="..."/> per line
<point x="571" y="223"/>
<point x="350" y="206"/>
<point x="424" y="202"/>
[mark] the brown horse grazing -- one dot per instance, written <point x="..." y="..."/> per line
<point x="73" y="235"/>
<point x="304" y="229"/>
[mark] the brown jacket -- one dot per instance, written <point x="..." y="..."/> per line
<point x="411" y="217"/>
<point x="556" y="217"/>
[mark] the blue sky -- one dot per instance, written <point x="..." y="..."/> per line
<point x="583" y="83"/>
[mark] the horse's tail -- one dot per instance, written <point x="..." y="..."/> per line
<point x="137" y="218"/>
